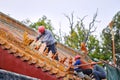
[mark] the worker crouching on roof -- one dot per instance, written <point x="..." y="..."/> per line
<point x="82" y="73"/>
<point x="98" y="72"/>
<point x="47" y="37"/>
<point x="78" y="69"/>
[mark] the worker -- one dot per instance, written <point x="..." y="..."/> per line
<point x="77" y="69"/>
<point x="46" y="36"/>
<point x="98" y="72"/>
<point x="82" y="72"/>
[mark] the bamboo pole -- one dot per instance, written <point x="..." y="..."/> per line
<point x="113" y="42"/>
<point x="113" y="47"/>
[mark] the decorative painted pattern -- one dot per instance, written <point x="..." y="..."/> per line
<point x="18" y="41"/>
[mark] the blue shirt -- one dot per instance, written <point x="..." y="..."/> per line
<point x="78" y="62"/>
<point x="47" y="37"/>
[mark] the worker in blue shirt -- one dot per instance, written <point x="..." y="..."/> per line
<point x="46" y="36"/>
<point x="78" y="70"/>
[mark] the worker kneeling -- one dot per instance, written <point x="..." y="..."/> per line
<point x="98" y="72"/>
<point x="80" y="72"/>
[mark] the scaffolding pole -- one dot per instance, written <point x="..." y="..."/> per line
<point x="113" y="42"/>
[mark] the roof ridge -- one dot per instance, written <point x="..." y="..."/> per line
<point x="18" y="38"/>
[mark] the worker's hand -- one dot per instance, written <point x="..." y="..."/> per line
<point x="76" y="66"/>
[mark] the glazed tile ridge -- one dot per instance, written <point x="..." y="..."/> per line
<point x="17" y="39"/>
<point x="11" y="46"/>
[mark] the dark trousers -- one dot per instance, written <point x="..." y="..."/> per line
<point x="53" y="49"/>
<point x="98" y="75"/>
<point x="87" y="71"/>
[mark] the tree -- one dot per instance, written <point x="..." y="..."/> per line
<point x="78" y="34"/>
<point x="45" y="22"/>
<point x="116" y="27"/>
<point x="106" y="48"/>
<point x="107" y="38"/>
<point x="42" y="21"/>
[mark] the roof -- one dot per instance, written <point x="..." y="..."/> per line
<point x="17" y="39"/>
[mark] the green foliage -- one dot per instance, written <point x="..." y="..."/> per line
<point x="106" y="48"/>
<point x="72" y="40"/>
<point x="42" y="21"/>
<point x="107" y="38"/>
<point x="116" y="27"/>
<point x="94" y="48"/>
<point x="78" y="34"/>
<point x="75" y="37"/>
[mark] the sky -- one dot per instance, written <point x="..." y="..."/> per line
<point x="54" y="10"/>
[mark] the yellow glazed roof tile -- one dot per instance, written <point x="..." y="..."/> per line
<point x="18" y="39"/>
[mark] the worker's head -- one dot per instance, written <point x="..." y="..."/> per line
<point x="77" y="57"/>
<point x="41" y="29"/>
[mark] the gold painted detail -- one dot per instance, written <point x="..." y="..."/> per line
<point x="20" y="49"/>
<point x="2" y="33"/>
<point x="26" y="39"/>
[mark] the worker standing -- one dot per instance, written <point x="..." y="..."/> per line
<point x="46" y="36"/>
